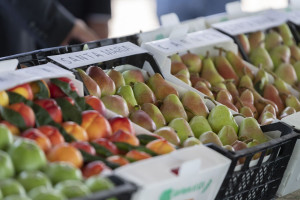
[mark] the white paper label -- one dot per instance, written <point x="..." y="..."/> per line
<point x="101" y="54"/>
<point x="8" y="65"/>
<point x="14" y="78"/>
<point x="295" y="17"/>
<point x="253" y="23"/>
<point x="193" y="40"/>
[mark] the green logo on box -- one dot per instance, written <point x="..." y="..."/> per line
<point x="171" y="193"/>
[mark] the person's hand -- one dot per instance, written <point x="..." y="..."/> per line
<point x="80" y="32"/>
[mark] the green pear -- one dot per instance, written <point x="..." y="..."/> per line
<point x="286" y="72"/>
<point x="231" y="87"/>
<point x="176" y="67"/>
<point x="169" y="134"/>
<point x="143" y="94"/>
<point x="286" y="34"/>
<point x="127" y="93"/>
<point x="210" y="137"/>
<point x="250" y="128"/>
<point x="295" y="53"/>
<point x="191" y="141"/>
<point x="238" y="64"/>
<point x="199" y="125"/>
<point x="116" y="104"/>
<point x="272" y="40"/>
<point x="286" y="112"/>
<point x="227" y="135"/>
<point x="254" y="143"/>
<point x="224" y="67"/>
<point x="260" y="56"/>
<point x="293" y="102"/>
<point x="172" y="108"/>
<point x="194" y="105"/>
<point x="297" y="69"/>
<point x="182" y="128"/>
<point x="229" y="148"/>
<point x="221" y="116"/>
<point x="132" y="76"/>
<point x="245" y="83"/>
<point x="183" y="78"/>
<point x="256" y="39"/>
<point x="239" y="145"/>
<point x="90" y="84"/>
<point x="192" y="61"/>
<point x="117" y="77"/>
<point x="280" y="54"/>
<point x="175" y="58"/>
<point x="142" y="119"/>
<point x="266" y="118"/>
<point x="210" y="73"/>
<point x="281" y="86"/>
<point x="155" y="114"/>
<point x="246" y="111"/>
<point x="244" y="42"/>
<point x="260" y="80"/>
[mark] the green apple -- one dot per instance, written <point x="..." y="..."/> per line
<point x="16" y="197"/>
<point x="72" y="189"/>
<point x="7" y="169"/>
<point x="44" y="193"/>
<point x="98" y="183"/>
<point x="11" y="187"/>
<point x="62" y="171"/>
<point x="27" y="155"/>
<point x="33" y="179"/>
<point x="6" y="137"/>
<point x="1" y="195"/>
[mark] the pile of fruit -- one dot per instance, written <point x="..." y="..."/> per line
<point x="228" y="80"/>
<point x="181" y="118"/>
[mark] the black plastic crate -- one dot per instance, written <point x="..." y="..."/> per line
<point x="123" y="190"/>
<point x="260" y="181"/>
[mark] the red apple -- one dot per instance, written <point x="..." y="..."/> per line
<point x="52" y="108"/>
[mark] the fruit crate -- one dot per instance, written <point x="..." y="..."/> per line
<point x="260" y="179"/>
<point x="123" y="190"/>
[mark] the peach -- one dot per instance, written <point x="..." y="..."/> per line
<point x="123" y="136"/>
<point x="4" y="99"/>
<point x="121" y="123"/>
<point x="95" y="125"/>
<point x="24" y="90"/>
<point x="26" y="112"/>
<point x="160" y="146"/>
<point x="69" y="99"/>
<point x="137" y="155"/>
<point x="95" y="103"/>
<point x="34" y="134"/>
<point x="66" y="153"/>
<point x="85" y="146"/>
<point x="94" y="168"/>
<point x="13" y="129"/>
<point x="76" y="131"/>
<point x="107" y="144"/>
<point x="38" y="86"/>
<point x="52" y="133"/>
<point x="56" y="92"/>
<point x="52" y="108"/>
<point x="118" y="160"/>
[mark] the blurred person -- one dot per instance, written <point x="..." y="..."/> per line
<point x="30" y="24"/>
<point x="190" y="9"/>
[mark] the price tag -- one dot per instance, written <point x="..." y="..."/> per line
<point x="192" y="40"/>
<point x="252" y="24"/>
<point x="101" y="54"/>
<point x="14" y="78"/>
<point x="294" y="17"/>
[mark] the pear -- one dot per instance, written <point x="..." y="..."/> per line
<point x="286" y="112"/>
<point x="256" y="39"/>
<point x="172" y="108"/>
<point x="91" y="85"/>
<point x="201" y="87"/>
<point x="117" y="77"/>
<point x="243" y="39"/>
<point x="247" y="99"/>
<point x="286" y="34"/>
<point x="270" y="109"/>
<point x="260" y="80"/>
<point x="260" y="56"/>
<point x="182" y="128"/>
<point x="224" y="68"/>
<point x="218" y="86"/>
<point x="229" y="148"/>
<point x="191" y="141"/>
<point x="220" y="116"/>
<point x="254" y="143"/>
<point x="155" y="114"/>
<point x="143" y="94"/>
<point x="246" y="111"/>
<point x="238" y="65"/>
<point x="272" y="40"/>
<point x="271" y="93"/>
<point x="227" y="135"/>
<point x="127" y="93"/>
<point x="282" y="87"/>
<point x="210" y="137"/>
<point x="105" y="83"/>
<point x="194" y="78"/>
<point x="175" y="58"/>
<point x="287" y="73"/>
<point x="210" y="73"/>
<point x="232" y="90"/>
<point x="250" y="128"/>
<point x="239" y="145"/>
<point x="266" y="118"/>
<point x="297" y="69"/>
<point x="160" y="87"/>
<point x="280" y="54"/>
<point x="293" y="102"/>
<point x="199" y="125"/>
<point x="184" y="75"/>
<point x="169" y="134"/>
<point x="116" y="104"/>
<point x="177" y="67"/>
<point x="193" y="104"/>
<point x="295" y="53"/>
<point x="142" y="119"/>
<point x="224" y="97"/>
<point x="192" y="61"/>
<point x="245" y="83"/>
<point x="132" y="76"/>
